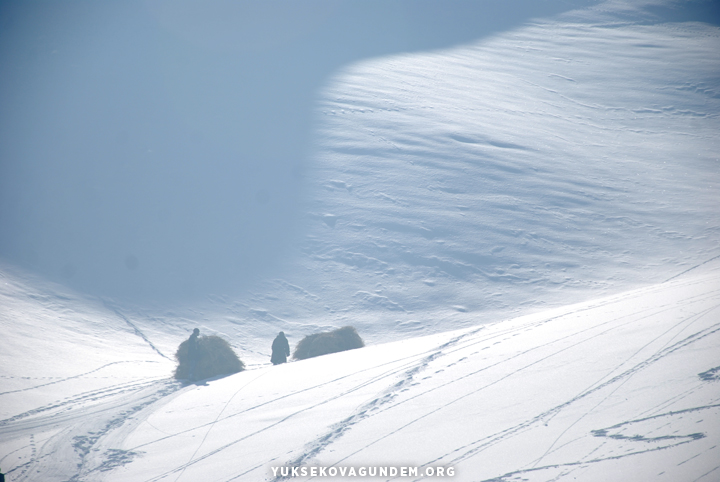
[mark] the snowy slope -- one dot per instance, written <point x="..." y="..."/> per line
<point x="595" y="391"/>
<point x="572" y="158"/>
<point x="515" y="216"/>
<point x="71" y="369"/>
<point x="621" y="387"/>
<point x="561" y="159"/>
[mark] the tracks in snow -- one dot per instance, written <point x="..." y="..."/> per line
<point x="75" y="430"/>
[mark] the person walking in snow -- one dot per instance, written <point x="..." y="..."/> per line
<point x="193" y="352"/>
<point x="280" y="349"/>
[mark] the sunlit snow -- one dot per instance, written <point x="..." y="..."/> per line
<point x="524" y="229"/>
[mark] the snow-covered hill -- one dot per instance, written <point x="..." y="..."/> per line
<point x="524" y="230"/>
<point x="573" y="158"/>
<point x="620" y="387"/>
<point x="528" y="170"/>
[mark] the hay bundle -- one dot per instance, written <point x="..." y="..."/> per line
<point x="342" y="339"/>
<point x="215" y="357"/>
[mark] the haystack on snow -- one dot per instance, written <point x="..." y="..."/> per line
<point x="215" y="357"/>
<point x="317" y="344"/>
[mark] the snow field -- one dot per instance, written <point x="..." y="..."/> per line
<point x="524" y="231"/>
<point x="591" y="390"/>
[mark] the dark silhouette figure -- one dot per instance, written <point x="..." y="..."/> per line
<point x="280" y="349"/>
<point x="2" y="476"/>
<point x="193" y="352"/>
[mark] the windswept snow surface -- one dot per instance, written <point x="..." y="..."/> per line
<point x="619" y="388"/>
<point x="566" y="160"/>
<point x="531" y="221"/>
<point x="624" y="387"/>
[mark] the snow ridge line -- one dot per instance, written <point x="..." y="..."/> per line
<point x="135" y="328"/>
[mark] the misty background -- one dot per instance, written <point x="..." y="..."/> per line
<point x="157" y="150"/>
